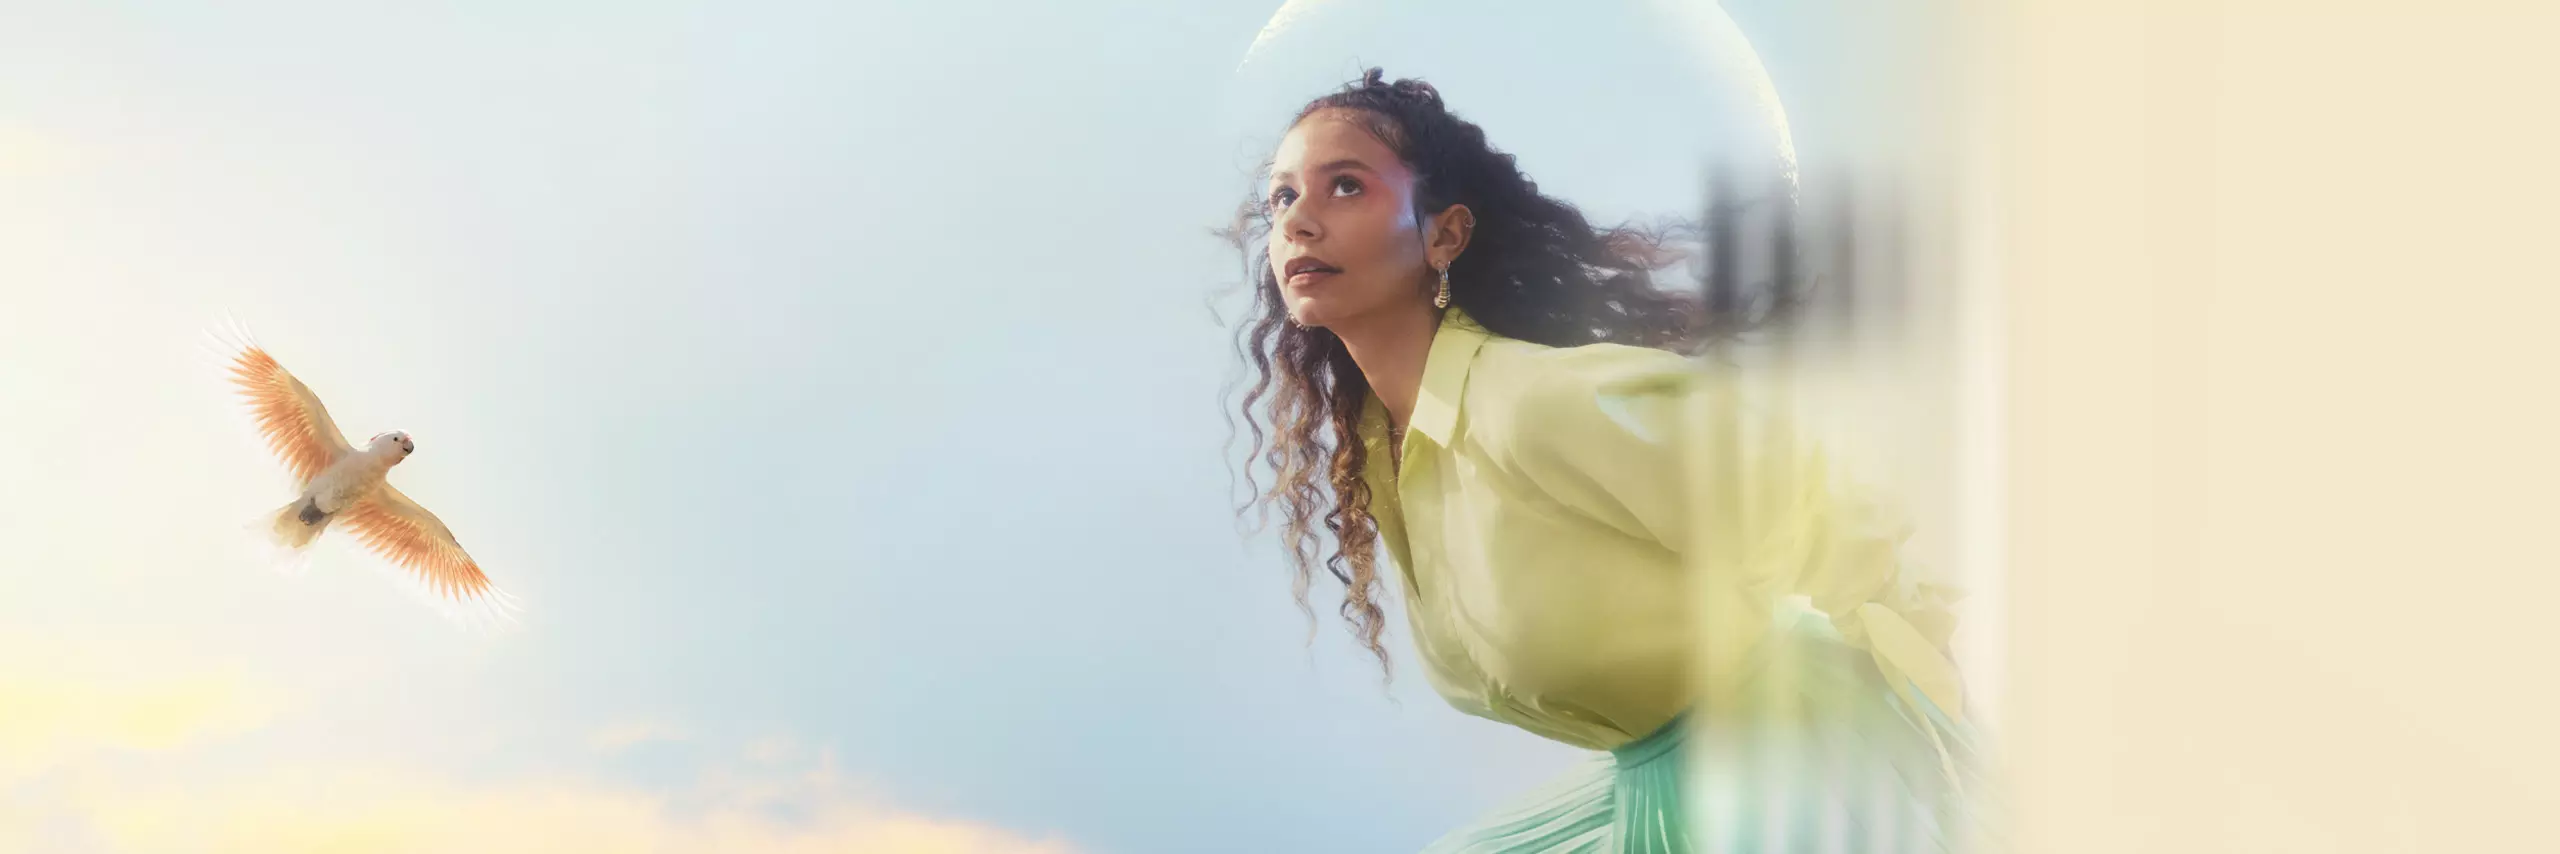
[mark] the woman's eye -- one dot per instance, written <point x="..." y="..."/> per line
<point x="1346" y="186"/>
<point x="1280" y="198"/>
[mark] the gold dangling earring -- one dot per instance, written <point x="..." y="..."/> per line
<point x="1442" y="299"/>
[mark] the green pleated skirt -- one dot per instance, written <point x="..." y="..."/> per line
<point x="1835" y="760"/>
<point x="1627" y="800"/>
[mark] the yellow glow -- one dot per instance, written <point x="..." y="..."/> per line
<point x="56" y="729"/>
<point x="47" y="720"/>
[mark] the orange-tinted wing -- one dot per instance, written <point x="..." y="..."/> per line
<point x="399" y="529"/>
<point x="297" y="428"/>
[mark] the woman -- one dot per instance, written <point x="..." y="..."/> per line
<point x="1465" y="370"/>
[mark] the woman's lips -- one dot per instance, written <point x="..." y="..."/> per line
<point x="1306" y="270"/>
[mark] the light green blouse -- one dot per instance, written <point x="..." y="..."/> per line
<point x="1544" y="530"/>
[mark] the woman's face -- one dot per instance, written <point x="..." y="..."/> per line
<point x="1345" y="243"/>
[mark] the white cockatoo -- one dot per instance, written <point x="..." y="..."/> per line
<point x="344" y="484"/>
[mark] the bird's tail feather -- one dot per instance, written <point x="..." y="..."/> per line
<point x="293" y="526"/>
<point x="258" y="545"/>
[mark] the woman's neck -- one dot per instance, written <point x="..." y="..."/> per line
<point x="1391" y="349"/>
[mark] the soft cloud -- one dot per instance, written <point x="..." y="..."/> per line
<point x="67" y="793"/>
<point x="773" y="749"/>
<point x="390" y="810"/>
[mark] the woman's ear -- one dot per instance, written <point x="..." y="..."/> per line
<point x="1447" y="236"/>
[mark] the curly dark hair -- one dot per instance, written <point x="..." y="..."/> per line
<point x="1536" y="270"/>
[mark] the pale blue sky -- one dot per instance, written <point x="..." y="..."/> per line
<point x="829" y="374"/>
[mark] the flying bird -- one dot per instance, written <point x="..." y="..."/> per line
<point x="342" y="485"/>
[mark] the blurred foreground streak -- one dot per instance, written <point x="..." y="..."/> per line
<point x="2253" y="522"/>
<point x="1836" y="451"/>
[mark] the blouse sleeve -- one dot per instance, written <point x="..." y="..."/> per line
<point x="1776" y="519"/>
<point x="1644" y="442"/>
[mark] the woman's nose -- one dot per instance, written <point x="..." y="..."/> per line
<point x="1298" y="222"/>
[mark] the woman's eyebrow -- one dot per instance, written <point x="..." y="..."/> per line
<point x="1347" y="164"/>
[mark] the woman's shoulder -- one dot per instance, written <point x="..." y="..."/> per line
<point x="1516" y="386"/>
<point x="1511" y="371"/>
